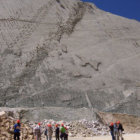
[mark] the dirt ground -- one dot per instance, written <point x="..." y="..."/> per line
<point x="126" y="137"/>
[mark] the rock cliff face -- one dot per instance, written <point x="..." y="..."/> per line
<point x="68" y="54"/>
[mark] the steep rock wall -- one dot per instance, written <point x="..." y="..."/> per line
<point x="58" y="53"/>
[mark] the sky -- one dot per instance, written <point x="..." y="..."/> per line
<point x="126" y="8"/>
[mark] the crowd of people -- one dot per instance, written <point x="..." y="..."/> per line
<point x="60" y="132"/>
<point x="116" y="130"/>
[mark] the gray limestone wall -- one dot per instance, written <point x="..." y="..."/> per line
<point x="53" y="53"/>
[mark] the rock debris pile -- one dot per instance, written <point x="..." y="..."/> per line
<point x="82" y="128"/>
<point x="6" y="128"/>
<point x="87" y="128"/>
<point x="79" y="128"/>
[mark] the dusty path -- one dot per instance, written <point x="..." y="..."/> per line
<point x="126" y="137"/>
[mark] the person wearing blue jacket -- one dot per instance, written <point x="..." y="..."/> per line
<point x="17" y="130"/>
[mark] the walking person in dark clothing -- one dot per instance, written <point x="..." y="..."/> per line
<point x="57" y="131"/>
<point x="112" y="130"/>
<point x="17" y="130"/>
<point x="120" y="129"/>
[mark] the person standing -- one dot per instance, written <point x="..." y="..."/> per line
<point x="46" y="132"/>
<point x="66" y="133"/>
<point x="120" y="130"/>
<point x="62" y="130"/>
<point x="17" y="130"/>
<point x="116" y="133"/>
<point x="37" y="132"/>
<point x="111" y="127"/>
<point x="50" y="132"/>
<point x="57" y="131"/>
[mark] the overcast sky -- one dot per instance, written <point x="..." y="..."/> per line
<point x="125" y="8"/>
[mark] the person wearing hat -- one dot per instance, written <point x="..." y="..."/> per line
<point x="111" y="127"/>
<point x="62" y="130"/>
<point x="37" y="132"/>
<point x="120" y="129"/>
<point x="46" y="132"/>
<point x="57" y="131"/>
<point x="17" y="130"/>
<point x="50" y="132"/>
<point x="66" y="133"/>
